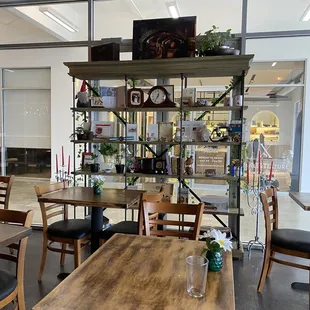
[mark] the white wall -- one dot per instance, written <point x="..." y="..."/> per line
<point x="290" y="49"/>
<point x="61" y="87"/>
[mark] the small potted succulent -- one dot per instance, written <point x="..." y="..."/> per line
<point x="97" y="183"/>
<point x="216" y="242"/>
<point x="94" y="167"/>
<point x="216" y="43"/>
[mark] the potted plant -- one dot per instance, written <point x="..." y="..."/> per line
<point x="107" y="150"/>
<point x="97" y="183"/>
<point x="94" y="167"/>
<point x="79" y="133"/>
<point x="118" y="164"/>
<point x="216" y="242"/>
<point x="215" y="43"/>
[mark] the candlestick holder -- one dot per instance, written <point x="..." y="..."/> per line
<point x="62" y="175"/>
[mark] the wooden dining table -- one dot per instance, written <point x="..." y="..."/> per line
<point x="142" y="273"/>
<point x="12" y="233"/>
<point x="84" y="196"/>
<point x="303" y="200"/>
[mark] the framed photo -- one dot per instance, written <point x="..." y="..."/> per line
<point x="170" y="90"/>
<point x="87" y="159"/>
<point x="135" y="98"/>
<point x="164" y="38"/>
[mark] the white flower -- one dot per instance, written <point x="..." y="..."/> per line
<point x="221" y="239"/>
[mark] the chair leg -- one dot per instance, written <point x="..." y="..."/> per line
<point x="77" y="253"/>
<point x="270" y="263"/>
<point x="264" y="270"/>
<point x="21" y="297"/>
<point x="43" y="260"/>
<point x="62" y="257"/>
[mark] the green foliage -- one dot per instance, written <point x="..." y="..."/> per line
<point x="107" y="149"/>
<point x="213" y="39"/>
<point x="97" y="182"/>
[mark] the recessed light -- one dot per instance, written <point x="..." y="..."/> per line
<point x="306" y="16"/>
<point x="173" y="9"/>
<point x="273" y="64"/>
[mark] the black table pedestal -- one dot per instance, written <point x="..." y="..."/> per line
<point x="300" y="286"/>
<point x="96" y="227"/>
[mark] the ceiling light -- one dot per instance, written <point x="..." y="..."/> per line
<point x="173" y="9"/>
<point x="56" y="17"/>
<point x="306" y="16"/>
<point x="273" y="64"/>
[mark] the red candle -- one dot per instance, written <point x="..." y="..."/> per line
<point x="270" y="174"/>
<point x="258" y="162"/>
<point x="248" y="172"/>
<point x="57" y="163"/>
<point x="62" y="156"/>
<point x="69" y="165"/>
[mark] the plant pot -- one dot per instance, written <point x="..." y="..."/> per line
<point x="215" y="261"/>
<point x="120" y="169"/>
<point x="80" y="136"/>
<point x="97" y="190"/>
<point x="224" y="50"/>
<point x="94" y="167"/>
<point x="85" y="136"/>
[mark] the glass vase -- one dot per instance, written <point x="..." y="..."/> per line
<point x="215" y="261"/>
<point x="97" y="190"/>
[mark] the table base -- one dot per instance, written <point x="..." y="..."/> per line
<point x="96" y="227"/>
<point x="300" y="286"/>
<point x="63" y="275"/>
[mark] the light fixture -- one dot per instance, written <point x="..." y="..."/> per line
<point x="173" y="9"/>
<point x="273" y="64"/>
<point x="56" y="17"/>
<point x="9" y="70"/>
<point x="306" y="16"/>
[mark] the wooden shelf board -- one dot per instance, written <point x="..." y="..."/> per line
<point x="203" y="143"/>
<point x="176" y="109"/>
<point x="215" y="177"/>
<point x="85" y="172"/>
<point x="232" y="211"/>
<point x="213" y="66"/>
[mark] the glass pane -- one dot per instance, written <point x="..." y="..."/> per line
<point x="279" y="121"/>
<point x="276" y="72"/>
<point x="49" y="23"/>
<point x="276" y="15"/>
<point x="109" y="13"/>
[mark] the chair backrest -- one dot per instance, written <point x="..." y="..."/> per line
<point x="155" y="187"/>
<point x="155" y="197"/>
<point x="47" y="207"/>
<point x="25" y="219"/>
<point x="269" y="201"/>
<point x="5" y="190"/>
<point x="171" y="208"/>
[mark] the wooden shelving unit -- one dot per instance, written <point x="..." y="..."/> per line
<point x="183" y="68"/>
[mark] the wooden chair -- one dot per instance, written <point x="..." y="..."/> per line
<point x="5" y="190"/>
<point x="292" y="242"/>
<point x="130" y="227"/>
<point x="171" y="208"/>
<point x="66" y="231"/>
<point x="12" y="286"/>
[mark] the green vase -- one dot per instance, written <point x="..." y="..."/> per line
<point x="97" y="190"/>
<point x="215" y="261"/>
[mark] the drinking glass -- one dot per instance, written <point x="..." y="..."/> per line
<point x="197" y="270"/>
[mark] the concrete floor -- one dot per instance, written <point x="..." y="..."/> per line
<point x="277" y="293"/>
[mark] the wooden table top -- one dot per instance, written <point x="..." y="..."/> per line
<point x="143" y="273"/>
<point x="83" y="196"/>
<point x="12" y="233"/>
<point x="302" y="199"/>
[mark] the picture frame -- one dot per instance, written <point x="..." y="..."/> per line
<point x="135" y="98"/>
<point x="87" y="160"/>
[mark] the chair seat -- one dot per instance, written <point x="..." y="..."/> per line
<point x="291" y="239"/>
<point x="8" y="283"/>
<point x="124" y="227"/>
<point x="71" y="229"/>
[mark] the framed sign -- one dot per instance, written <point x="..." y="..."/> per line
<point x="87" y="159"/>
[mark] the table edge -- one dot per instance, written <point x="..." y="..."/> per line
<point x="25" y="233"/>
<point x="291" y="194"/>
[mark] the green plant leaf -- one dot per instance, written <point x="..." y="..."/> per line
<point x="203" y="252"/>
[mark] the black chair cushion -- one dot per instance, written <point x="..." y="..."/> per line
<point x="125" y="227"/>
<point x="291" y="239"/>
<point x="72" y="229"/>
<point x="8" y="283"/>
